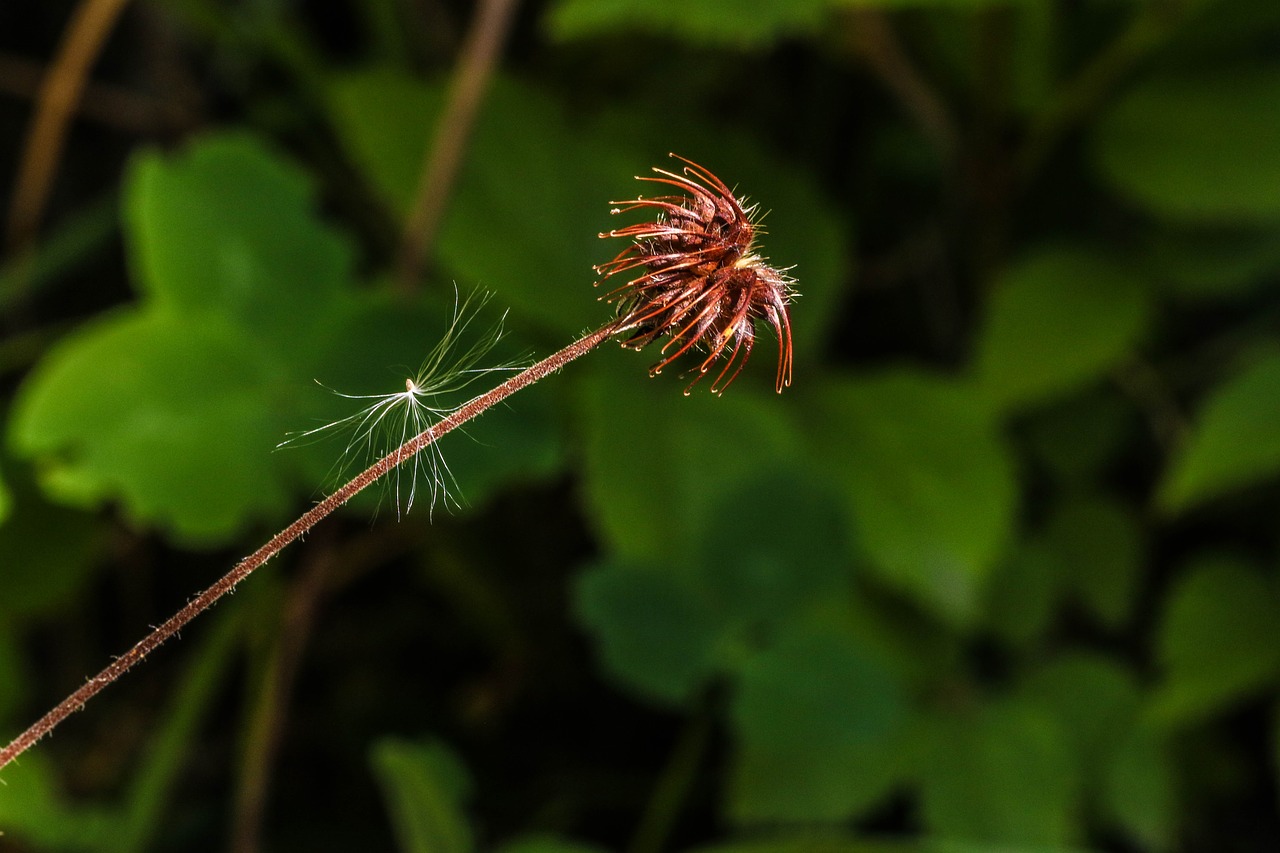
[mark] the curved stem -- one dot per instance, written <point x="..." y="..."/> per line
<point x="673" y="785"/>
<point x="267" y="724"/>
<point x="443" y="159"/>
<point x="59" y="94"/>
<point x="876" y="40"/>
<point x="305" y="522"/>
<point x="1081" y="96"/>
<point x="327" y="572"/>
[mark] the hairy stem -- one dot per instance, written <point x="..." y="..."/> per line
<point x="305" y="522"/>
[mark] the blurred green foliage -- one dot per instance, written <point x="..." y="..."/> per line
<point x="999" y="573"/>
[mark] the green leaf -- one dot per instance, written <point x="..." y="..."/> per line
<point x="45" y="555"/>
<point x="1003" y="774"/>
<point x="548" y="844"/>
<point x="1095" y="699"/>
<point x="425" y="787"/>
<point x="1203" y="147"/>
<point x="227" y="228"/>
<point x="155" y="781"/>
<point x="6" y="503"/>
<point x="773" y="545"/>
<point x="172" y="408"/>
<point x="1099" y="544"/>
<point x="32" y="810"/>
<point x="13" y="675"/>
<point x="165" y="415"/>
<point x="816" y="841"/>
<point x="1215" y="263"/>
<point x="655" y="630"/>
<point x="1058" y="320"/>
<point x="925" y="479"/>
<point x="817" y="720"/>
<point x="733" y="23"/>
<point x="657" y="464"/>
<point x="1022" y="596"/>
<point x="1091" y="547"/>
<point x="1234" y="442"/>
<point x="1217" y="641"/>
<point x="385" y="120"/>
<point x="1077" y="438"/>
<point x="1141" y="790"/>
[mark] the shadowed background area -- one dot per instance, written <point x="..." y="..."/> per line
<point x="999" y="572"/>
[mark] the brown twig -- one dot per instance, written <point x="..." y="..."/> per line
<point x="114" y="106"/>
<point x="328" y="571"/>
<point x="877" y="42"/>
<point x="443" y="159"/>
<point x="59" y="94"/>
<point x="674" y="783"/>
<point x="1149" y="390"/>
<point x="1081" y="96"/>
<point x="305" y="522"/>
<point x="267" y="724"/>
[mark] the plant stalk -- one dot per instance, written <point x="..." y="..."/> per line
<point x="305" y="522"/>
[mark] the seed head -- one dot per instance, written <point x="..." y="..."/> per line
<point x="702" y="285"/>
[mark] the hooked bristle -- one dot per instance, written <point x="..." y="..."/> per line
<point x="702" y="285"/>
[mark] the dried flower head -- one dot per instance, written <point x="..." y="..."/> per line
<point x="702" y="284"/>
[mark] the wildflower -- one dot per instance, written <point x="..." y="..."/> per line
<point x="701" y="284"/>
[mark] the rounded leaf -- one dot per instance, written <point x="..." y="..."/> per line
<point x="734" y="23"/>
<point x="228" y="227"/>
<point x="1057" y="321"/>
<point x="818" y="720"/>
<point x="46" y="554"/>
<point x="1234" y="443"/>
<point x="773" y="545"/>
<point x="656" y="633"/>
<point x="1203" y="147"/>
<point x="1004" y="774"/>
<point x="928" y="485"/>
<point x="425" y="786"/>
<point x="1218" y="641"/>
<point x="657" y="463"/>
<point x="163" y="415"/>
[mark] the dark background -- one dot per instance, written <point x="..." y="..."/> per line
<point x="998" y="573"/>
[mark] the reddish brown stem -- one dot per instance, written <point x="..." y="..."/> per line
<point x="305" y="522"/>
